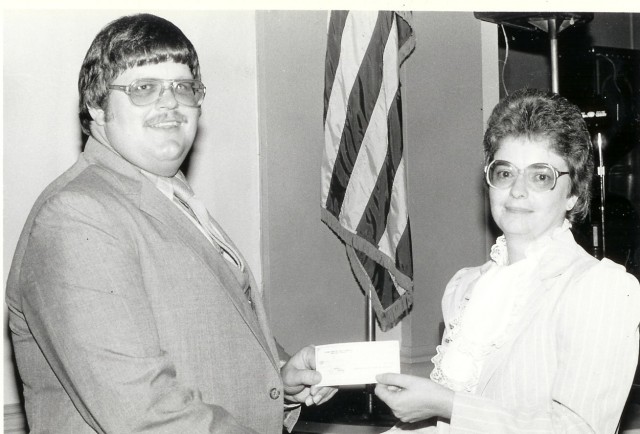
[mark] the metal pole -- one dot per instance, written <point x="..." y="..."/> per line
<point x="553" y="41"/>
<point x="370" y="332"/>
<point x="370" y="320"/>
<point x="601" y="174"/>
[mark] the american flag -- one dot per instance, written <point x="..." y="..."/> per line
<point x="364" y="175"/>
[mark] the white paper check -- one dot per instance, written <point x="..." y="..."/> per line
<point x="356" y="362"/>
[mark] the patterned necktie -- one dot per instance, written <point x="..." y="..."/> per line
<point x="185" y="195"/>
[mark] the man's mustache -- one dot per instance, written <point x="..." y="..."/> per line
<point x="167" y="117"/>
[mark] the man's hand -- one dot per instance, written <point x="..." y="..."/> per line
<point x="300" y="377"/>
<point x="413" y="399"/>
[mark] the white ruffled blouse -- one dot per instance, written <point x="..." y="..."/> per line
<point x="491" y="307"/>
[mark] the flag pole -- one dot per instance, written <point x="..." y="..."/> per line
<point x="370" y="335"/>
<point x="370" y="325"/>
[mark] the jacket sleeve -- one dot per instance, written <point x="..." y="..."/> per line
<point x="597" y="352"/>
<point x="85" y="302"/>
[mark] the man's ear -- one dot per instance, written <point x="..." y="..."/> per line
<point x="98" y="115"/>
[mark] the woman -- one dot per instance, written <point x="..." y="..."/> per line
<point x="543" y="337"/>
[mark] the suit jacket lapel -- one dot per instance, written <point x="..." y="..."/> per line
<point x="154" y="203"/>
<point x="256" y="296"/>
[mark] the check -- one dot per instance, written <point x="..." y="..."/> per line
<point x="356" y="362"/>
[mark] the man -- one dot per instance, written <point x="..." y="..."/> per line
<point x="130" y="309"/>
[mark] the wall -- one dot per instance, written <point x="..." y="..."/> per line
<point x="43" y="51"/>
<point x="445" y="126"/>
<point x="307" y="267"/>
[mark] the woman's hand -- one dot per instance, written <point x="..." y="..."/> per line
<point x="414" y="398"/>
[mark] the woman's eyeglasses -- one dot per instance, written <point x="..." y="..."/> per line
<point x="539" y="177"/>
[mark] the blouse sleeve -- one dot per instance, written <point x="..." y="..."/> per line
<point x="597" y="353"/>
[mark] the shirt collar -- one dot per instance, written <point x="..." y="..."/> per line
<point x="163" y="183"/>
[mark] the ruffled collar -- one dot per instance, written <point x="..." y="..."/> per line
<point x="500" y="255"/>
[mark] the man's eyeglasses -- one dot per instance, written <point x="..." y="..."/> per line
<point x="539" y="177"/>
<point x="145" y="91"/>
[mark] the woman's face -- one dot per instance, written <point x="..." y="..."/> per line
<point x="518" y="210"/>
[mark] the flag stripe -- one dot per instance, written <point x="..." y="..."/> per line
<point x="370" y="172"/>
<point x="337" y="22"/>
<point x="398" y="216"/>
<point x="406" y="41"/>
<point x="404" y="252"/>
<point x="380" y="278"/>
<point x="357" y="120"/>
<point x="398" y="213"/>
<point x="351" y="58"/>
<point x="374" y="219"/>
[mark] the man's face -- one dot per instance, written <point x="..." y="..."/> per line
<point x="155" y="137"/>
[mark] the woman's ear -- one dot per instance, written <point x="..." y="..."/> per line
<point x="97" y="114"/>
<point x="571" y="202"/>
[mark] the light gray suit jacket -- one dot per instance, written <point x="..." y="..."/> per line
<point x="124" y="319"/>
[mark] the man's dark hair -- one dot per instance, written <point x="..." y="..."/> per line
<point x="127" y="42"/>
